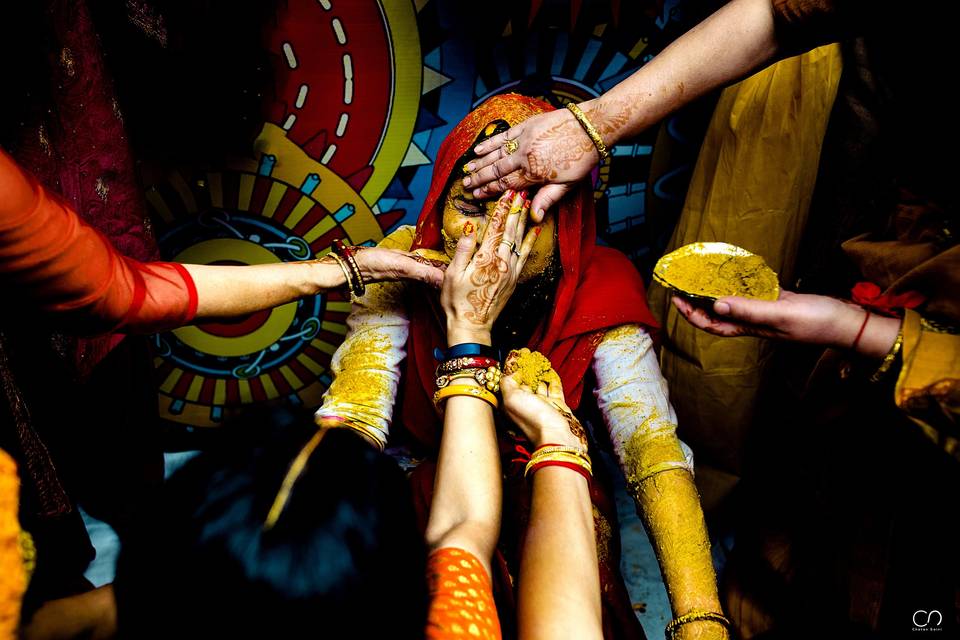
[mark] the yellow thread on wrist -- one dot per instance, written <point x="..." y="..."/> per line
<point x="591" y="130"/>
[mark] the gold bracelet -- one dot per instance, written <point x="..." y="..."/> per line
<point x="591" y="130"/>
<point x="489" y="378"/>
<point x="569" y="458"/>
<point x="378" y="436"/>
<point x="346" y="272"/>
<point x="889" y="358"/>
<point x="693" y="616"/>
<point x="465" y="390"/>
<point x="560" y="448"/>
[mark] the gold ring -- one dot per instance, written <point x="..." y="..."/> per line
<point x="511" y="146"/>
<point x="512" y="245"/>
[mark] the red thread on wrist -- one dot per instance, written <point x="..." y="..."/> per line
<point x="863" y="326"/>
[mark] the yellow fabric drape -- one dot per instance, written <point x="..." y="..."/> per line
<point x="751" y="187"/>
<point x="13" y="577"/>
<point x="928" y="387"/>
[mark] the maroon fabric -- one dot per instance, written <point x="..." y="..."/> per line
<point x="78" y="148"/>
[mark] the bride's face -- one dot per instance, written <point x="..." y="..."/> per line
<point x="460" y="207"/>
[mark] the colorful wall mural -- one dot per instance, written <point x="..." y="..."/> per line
<point x="365" y="92"/>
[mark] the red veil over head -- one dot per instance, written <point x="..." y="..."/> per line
<point x="598" y="289"/>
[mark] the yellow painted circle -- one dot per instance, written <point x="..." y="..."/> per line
<point x="269" y="332"/>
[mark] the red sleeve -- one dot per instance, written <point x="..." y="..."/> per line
<point x="461" y="597"/>
<point x="52" y="259"/>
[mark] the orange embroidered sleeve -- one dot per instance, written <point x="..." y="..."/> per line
<point x="461" y="597"/>
<point x="58" y="263"/>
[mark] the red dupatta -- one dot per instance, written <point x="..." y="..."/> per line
<point x="599" y="288"/>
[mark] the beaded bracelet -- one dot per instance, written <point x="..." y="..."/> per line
<point x="465" y="390"/>
<point x="466" y="362"/>
<point x="489" y="378"/>
<point x="590" y="130"/>
<point x="671" y="629"/>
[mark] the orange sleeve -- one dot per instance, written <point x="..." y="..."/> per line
<point x="461" y="597"/>
<point x="52" y="259"/>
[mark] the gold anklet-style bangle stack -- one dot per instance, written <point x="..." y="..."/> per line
<point x="671" y="630"/>
<point x="590" y="130"/>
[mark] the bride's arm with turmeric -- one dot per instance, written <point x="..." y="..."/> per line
<point x="632" y="395"/>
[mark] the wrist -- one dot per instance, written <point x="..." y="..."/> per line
<point x="556" y="434"/>
<point x="460" y="334"/>
<point x="325" y="276"/>
<point x="595" y="111"/>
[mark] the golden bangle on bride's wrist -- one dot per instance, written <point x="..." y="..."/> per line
<point x="671" y="630"/>
<point x="468" y="390"/>
<point x="889" y="358"/>
<point x="591" y="130"/>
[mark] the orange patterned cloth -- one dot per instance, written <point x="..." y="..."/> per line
<point x="13" y="578"/>
<point x="461" y="597"/>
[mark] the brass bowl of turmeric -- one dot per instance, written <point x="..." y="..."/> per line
<point x="705" y="271"/>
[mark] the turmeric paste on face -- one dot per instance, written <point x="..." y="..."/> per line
<point x="692" y="269"/>
<point x="529" y="368"/>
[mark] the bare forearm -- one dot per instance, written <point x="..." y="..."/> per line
<point x="225" y="291"/>
<point x="728" y="45"/>
<point x="559" y="579"/>
<point x="465" y="511"/>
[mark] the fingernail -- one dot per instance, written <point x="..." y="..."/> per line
<point x="466" y="181"/>
<point x="723" y="308"/>
<point x="537" y="230"/>
<point x="540" y="213"/>
<point x="469" y="167"/>
<point x="508" y="194"/>
<point x="477" y="149"/>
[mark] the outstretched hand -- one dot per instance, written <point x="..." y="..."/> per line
<point x="552" y="150"/>
<point x="795" y="316"/>
<point x="379" y="263"/>
<point x="480" y="279"/>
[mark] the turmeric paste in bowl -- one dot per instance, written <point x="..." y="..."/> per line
<point x="710" y="270"/>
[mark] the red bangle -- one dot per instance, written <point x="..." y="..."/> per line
<point x="466" y="362"/>
<point x="560" y="463"/>
<point x="358" y="288"/>
<point x="856" y="340"/>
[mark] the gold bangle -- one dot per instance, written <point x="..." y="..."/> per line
<point x="489" y="378"/>
<point x="559" y="457"/>
<point x="591" y="130"/>
<point x="889" y="358"/>
<point x="372" y="433"/>
<point x="465" y="390"/>
<point x="693" y="616"/>
<point x="346" y="272"/>
<point x="560" y="448"/>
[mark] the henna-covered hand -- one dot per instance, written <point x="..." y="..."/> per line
<point x="379" y="263"/>
<point x="480" y="279"/>
<point x="552" y="150"/>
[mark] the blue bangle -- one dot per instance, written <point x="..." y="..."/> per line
<point x="467" y="349"/>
